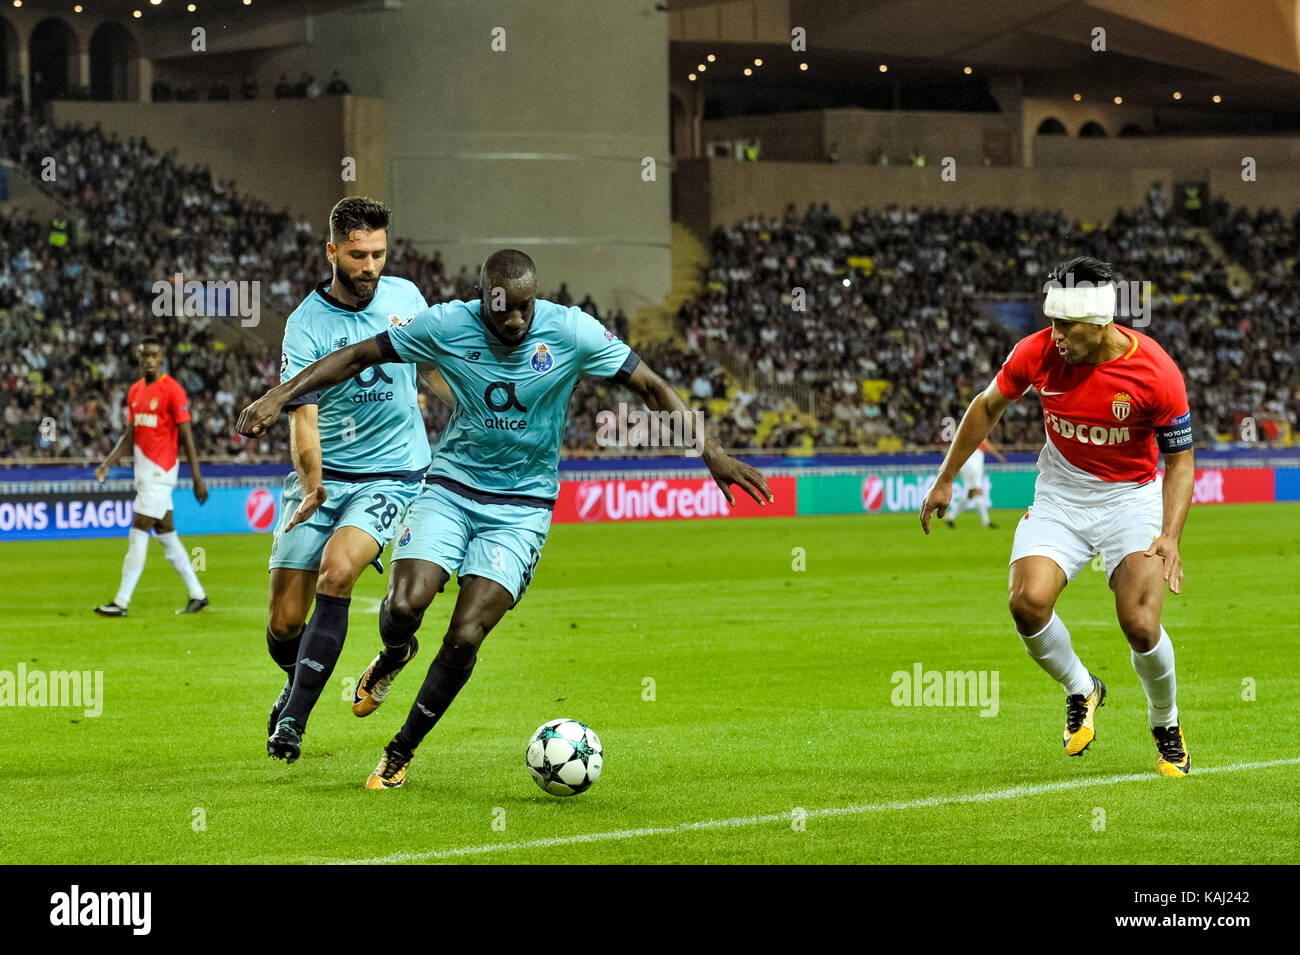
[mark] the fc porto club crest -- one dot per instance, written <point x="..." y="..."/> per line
<point x="1121" y="405"/>
<point x="406" y="538"/>
<point x="542" y="359"/>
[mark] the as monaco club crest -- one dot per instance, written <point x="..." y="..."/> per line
<point x="259" y="508"/>
<point x="1121" y="405"/>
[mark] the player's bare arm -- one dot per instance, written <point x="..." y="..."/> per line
<point x="123" y="444"/>
<point x="192" y="456"/>
<point x="974" y="429"/>
<point x="995" y="450"/>
<point x="335" y="367"/>
<point x="305" y="453"/>
<point x="1179" y="478"/>
<point x="437" y="384"/>
<point x="726" y="470"/>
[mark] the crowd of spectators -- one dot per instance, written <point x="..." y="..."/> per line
<point x="910" y="298"/>
<point x="306" y="87"/>
<point x="884" y="324"/>
<point x="70" y="315"/>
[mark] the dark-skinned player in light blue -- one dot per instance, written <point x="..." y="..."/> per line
<point x="511" y="361"/>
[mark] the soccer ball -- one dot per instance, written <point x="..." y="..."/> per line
<point x="564" y="757"/>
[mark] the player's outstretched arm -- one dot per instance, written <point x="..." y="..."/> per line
<point x="333" y="368"/>
<point x="192" y="456"/>
<point x="975" y="426"/>
<point x="1180" y="478"/>
<point x="726" y="470"/>
<point x="996" y="451"/>
<point x="126" y="441"/>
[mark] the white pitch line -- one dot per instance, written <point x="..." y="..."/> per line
<point x="1014" y="792"/>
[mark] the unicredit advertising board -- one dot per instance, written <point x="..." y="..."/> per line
<point x="665" y="499"/>
<point x="68" y="514"/>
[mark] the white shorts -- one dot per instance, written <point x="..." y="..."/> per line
<point x="152" y="499"/>
<point x="153" y="489"/>
<point x="971" y="474"/>
<point x="1072" y="535"/>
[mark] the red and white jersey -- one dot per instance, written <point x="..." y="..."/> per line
<point x="1102" y="421"/>
<point x="155" y="410"/>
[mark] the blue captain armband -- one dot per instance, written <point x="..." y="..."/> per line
<point x="1175" y="436"/>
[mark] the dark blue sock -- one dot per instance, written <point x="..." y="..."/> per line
<point x="284" y="652"/>
<point x="322" y="642"/>
<point x="447" y="675"/>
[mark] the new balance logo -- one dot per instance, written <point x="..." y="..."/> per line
<point x="313" y="664"/>
<point x="473" y="356"/>
<point x="425" y="710"/>
<point x="340" y="343"/>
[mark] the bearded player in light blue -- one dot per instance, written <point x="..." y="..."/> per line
<point x="511" y="361"/>
<point x="359" y="451"/>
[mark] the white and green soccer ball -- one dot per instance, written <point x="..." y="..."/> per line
<point x="564" y="757"/>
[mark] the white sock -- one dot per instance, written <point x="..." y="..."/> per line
<point x="982" y="505"/>
<point x="1051" y="650"/>
<point x="955" y="508"/>
<point x="137" y="546"/>
<point x="180" y="562"/>
<point x="1155" y="669"/>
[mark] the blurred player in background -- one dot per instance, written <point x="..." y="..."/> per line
<point x="972" y="479"/>
<point x="359" y="450"/>
<point x="1111" y="398"/>
<point x="157" y="412"/>
<point x="511" y="361"/>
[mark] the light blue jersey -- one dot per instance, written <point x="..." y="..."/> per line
<point x="369" y="424"/>
<point x="505" y="432"/>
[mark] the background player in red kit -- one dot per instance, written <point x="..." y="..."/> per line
<point x="157" y="411"/>
<point x="1110" y="396"/>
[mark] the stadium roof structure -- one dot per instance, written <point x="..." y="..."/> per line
<point x="176" y="9"/>
<point x="1246" y="51"/>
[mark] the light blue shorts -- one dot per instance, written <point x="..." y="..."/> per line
<point x="376" y="507"/>
<point x="501" y="542"/>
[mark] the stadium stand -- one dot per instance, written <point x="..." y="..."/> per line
<point x="891" y="336"/>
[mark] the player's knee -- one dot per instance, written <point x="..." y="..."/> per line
<point x="1141" y="628"/>
<point x="283" y="626"/>
<point x="462" y="640"/>
<point x="403" y="611"/>
<point x="1031" y="606"/>
<point x="335" y="580"/>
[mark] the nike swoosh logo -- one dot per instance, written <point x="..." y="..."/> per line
<point x="1051" y="392"/>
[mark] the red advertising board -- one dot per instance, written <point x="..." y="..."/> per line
<point x="1233" y="486"/>
<point x="665" y="499"/>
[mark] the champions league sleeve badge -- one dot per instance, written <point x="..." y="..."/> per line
<point x="542" y="360"/>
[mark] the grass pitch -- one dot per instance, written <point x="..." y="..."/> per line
<point x="771" y="695"/>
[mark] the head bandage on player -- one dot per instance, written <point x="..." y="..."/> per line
<point x="1093" y="304"/>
